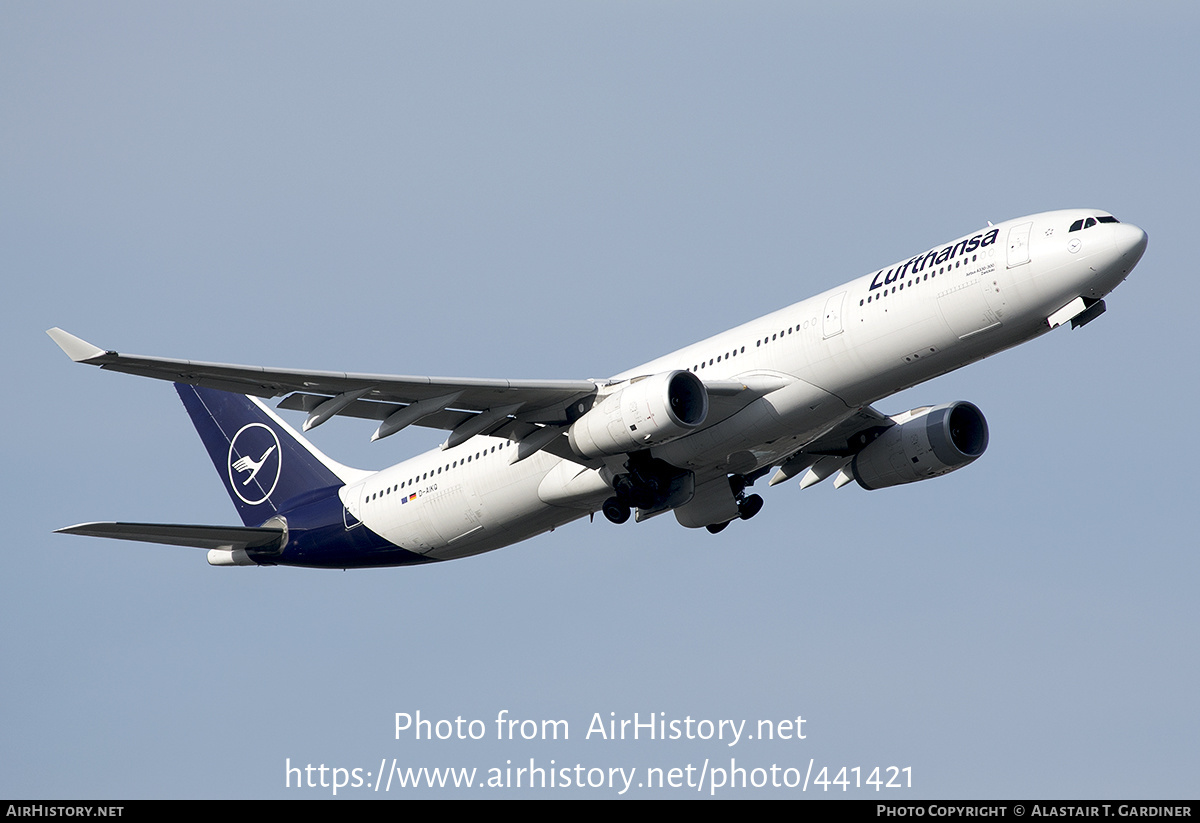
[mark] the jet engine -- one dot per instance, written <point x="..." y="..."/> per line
<point x="930" y="443"/>
<point x="645" y="412"/>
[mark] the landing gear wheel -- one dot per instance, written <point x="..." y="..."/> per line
<point x="716" y="528"/>
<point x="615" y="510"/>
<point x="750" y="506"/>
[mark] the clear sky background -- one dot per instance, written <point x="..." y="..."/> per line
<point x="564" y="190"/>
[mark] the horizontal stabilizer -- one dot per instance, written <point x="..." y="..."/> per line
<point x="200" y="537"/>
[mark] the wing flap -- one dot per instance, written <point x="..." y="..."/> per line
<point x="374" y="410"/>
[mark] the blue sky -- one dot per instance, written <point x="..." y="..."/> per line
<point x="564" y="191"/>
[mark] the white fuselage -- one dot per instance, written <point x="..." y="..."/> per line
<point x="833" y="354"/>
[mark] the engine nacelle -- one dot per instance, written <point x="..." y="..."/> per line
<point x="931" y="443"/>
<point x="646" y="412"/>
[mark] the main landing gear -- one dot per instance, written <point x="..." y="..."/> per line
<point x="748" y="506"/>
<point x="651" y="483"/>
<point x="647" y="484"/>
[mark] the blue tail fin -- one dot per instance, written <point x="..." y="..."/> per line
<point x="266" y="467"/>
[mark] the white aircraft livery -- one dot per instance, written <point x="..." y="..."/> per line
<point x="689" y="432"/>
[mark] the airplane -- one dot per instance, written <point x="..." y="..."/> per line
<point x="689" y="432"/>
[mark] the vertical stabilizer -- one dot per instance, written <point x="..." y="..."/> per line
<point x="266" y="466"/>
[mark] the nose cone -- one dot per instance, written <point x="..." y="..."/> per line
<point x="1130" y="243"/>
<point x="1110" y="268"/>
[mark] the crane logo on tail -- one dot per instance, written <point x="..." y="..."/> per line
<point x="254" y="463"/>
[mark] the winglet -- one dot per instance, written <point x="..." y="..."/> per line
<point x="76" y="349"/>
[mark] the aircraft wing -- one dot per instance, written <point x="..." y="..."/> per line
<point x="831" y="450"/>
<point x="441" y="402"/>
<point x="850" y="434"/>
<point x="533" y="412"/>
<point x="274" y="382"/>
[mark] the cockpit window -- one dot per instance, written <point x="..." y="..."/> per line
<point x="1108" y="219"/>
<point x="1088" y="222"/>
